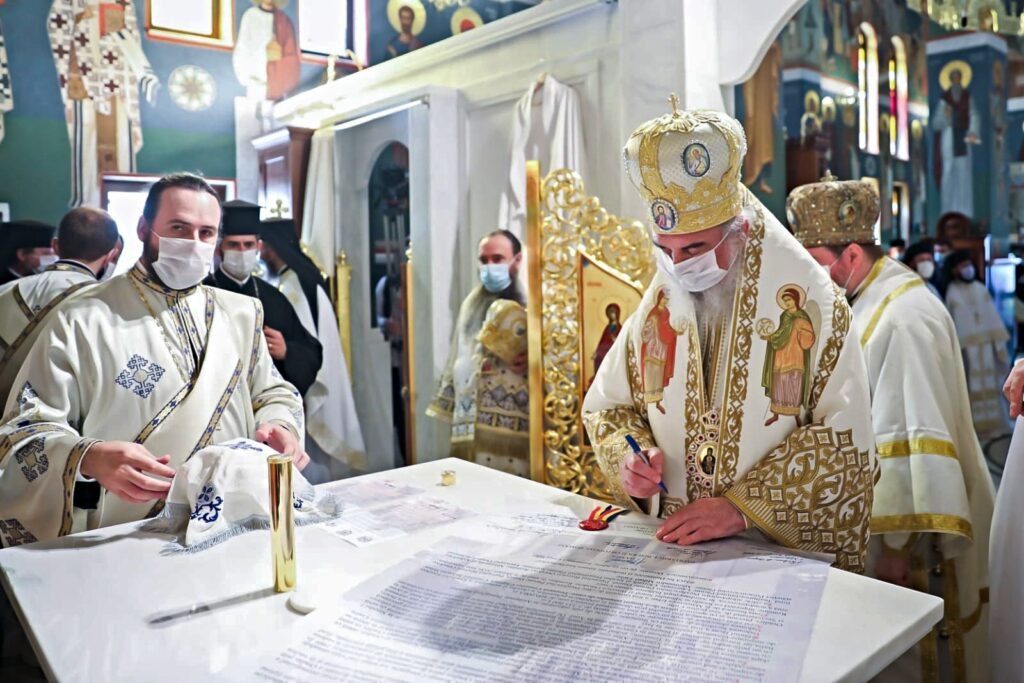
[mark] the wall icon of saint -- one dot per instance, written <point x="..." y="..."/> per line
<point x="101" y="69"/>
<point x="956" y="126"/>
<point x="657" y="351"/>
<point x="407" y="17"/>
<point x="611" y="332"/>
<point x="266" y="56"/>
<point x="787" y="373"/>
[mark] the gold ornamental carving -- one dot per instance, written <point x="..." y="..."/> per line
<point x="565" y="226"/>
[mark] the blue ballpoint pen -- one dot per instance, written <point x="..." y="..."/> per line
<point x="636" y="449"/>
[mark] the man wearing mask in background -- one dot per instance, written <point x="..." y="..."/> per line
<point x="933" y="502"/>
<point x="87" y="244"/>
<point x="129" y="379"/>
<point x="920" y="258"/>
<point x="297" y="354"/>
<point x="25" y="249"/>
<point x="483" y="390"/>
<point x="983" y="338"/>
<point x="739" y="367"/>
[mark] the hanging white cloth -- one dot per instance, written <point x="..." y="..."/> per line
<point x="318" y="212"/>
<point x="331" y="420"/>
<point x="552" y="134"/>
<point x="1006" y="557"/>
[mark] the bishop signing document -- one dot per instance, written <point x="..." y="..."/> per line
<point x="739" y="375"/>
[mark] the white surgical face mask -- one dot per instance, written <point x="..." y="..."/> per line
<point x="696" y="274"/>
<point x="926" y="269"/>
<point x="181" y="264"/>
<point x="45" y="261"/>
<point x="240" y="264"/>
<point x="849" y="277"/>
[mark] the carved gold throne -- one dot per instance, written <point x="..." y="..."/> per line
<point x="582" y="263"/>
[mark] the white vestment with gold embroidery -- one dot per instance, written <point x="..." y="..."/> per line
<point x="935" y="497"/>
<point x="983" y="338"/>
<point x="24" y="304"/>
<point x="806" y="486"/>
<point x="129" y="360"/>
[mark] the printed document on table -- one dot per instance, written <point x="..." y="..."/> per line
<point x="566" y="607"/>
<point x="371" y="493"/>
<point x="362" y="527"/>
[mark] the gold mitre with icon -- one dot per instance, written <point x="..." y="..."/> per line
<point x="833" y="213"/>
<point x="504" y="330"/>
<point x="686" y="165"/>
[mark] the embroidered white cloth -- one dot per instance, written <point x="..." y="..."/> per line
<point x="222" y="491"/>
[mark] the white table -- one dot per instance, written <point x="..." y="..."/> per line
<point x="87" y="600"/>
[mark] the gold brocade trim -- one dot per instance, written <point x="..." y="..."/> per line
<point x="35" y="320"/>
<point x="164" y="413"/>
<point x="257" y="337"/>
<point x="692" y="408"/>
<point x="833" y="347"/>
<point x="813" y="492"/>
<point x="931" y="523"/>
<point x="607" y="430"/>
<point x="971" y="620"/>
<point x="20" y="434"/>
<point x="78" y="451"/>
<point x="873" y="274"/>
<point x="919" y="446"/>
<point x="218" y="411"/>
<point x="929" y="644"/>
<point x="744" y="309"/>
<point x="636" y="380"/>
<point x="889" y="298"/>
<point x="26" y="310"/>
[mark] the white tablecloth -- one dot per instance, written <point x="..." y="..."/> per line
<point x="88" y="601"/>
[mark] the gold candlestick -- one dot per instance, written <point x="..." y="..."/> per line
<point x="282" y="522"/>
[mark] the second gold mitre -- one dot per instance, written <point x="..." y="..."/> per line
<point x="833" y="213"/>
<point x="686" y="165"/>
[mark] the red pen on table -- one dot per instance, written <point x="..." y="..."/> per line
<point x="647" y="461"/>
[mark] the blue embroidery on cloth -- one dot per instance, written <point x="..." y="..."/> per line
<point x="32" y="459"/>
<point x="141" y="376"/>
<point x="208" y="505"/>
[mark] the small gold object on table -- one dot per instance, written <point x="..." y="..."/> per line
<point x="282" y="522"/>
<point x="448" y="478"/>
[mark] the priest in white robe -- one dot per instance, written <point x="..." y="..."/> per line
<point x="135" y="375"/>
<point x="739" y="374"/>
<point x="548" y="127"/>
<point x="983" y="338"/>
<point x="483" y="390"/>
<point x="86" y="246"/>
<point x="933" y="502"/>
<point x="1006" y="550"/>
<point x="334" y="438"/>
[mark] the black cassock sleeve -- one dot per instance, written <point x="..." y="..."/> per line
<point x="304" y="355"/>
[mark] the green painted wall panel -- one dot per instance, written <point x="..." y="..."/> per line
<point x="163" y="151"/>
<point x="35" y="167"/>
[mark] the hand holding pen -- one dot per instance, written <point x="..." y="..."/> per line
<point x="641" y="477"/>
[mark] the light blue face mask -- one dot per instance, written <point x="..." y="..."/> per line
<point x="495" y="277"/>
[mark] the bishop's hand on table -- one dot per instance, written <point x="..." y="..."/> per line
<point x="639" y="479"/>
<point x="282" y="440"/>
<point x="123" y="468"/>
<point x="702" y="520"/>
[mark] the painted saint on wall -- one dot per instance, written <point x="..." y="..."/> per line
<point x="266" y="56"/>
<point x="101" y="69"/>
<point x="611" y="331"/>
<point x="955" y="122"/>
<point x="407" y="17"/>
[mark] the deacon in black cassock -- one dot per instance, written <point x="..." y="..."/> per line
<point x="26" y="248"/>
<point x="296" y="353"/>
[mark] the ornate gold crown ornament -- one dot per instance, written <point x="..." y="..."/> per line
<point x="833" y="213"/>
<point x="686" y="165"/>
